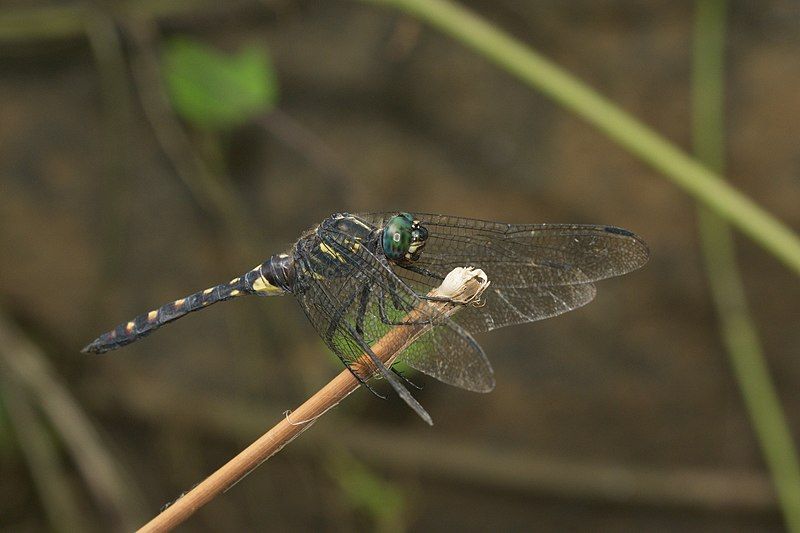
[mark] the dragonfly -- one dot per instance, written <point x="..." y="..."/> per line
<point x="357" y="276"/>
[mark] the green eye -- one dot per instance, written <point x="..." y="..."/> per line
<point x="397" y="236"/>
<point x="404" y="238"/>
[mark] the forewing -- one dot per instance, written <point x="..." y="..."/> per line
<point x="446" y="351"/>
<point x="536" y="270"/>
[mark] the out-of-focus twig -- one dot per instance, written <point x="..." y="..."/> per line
<point x="56" y="491"/>
<point x="110" y="215"/>
<point x="736" y="322"/>
<point x="214" y="192"/>
<point x="25" y="364"/>
<point x="306" y="142"/>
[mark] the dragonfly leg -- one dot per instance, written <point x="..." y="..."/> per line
<point x="336" y="319"/>
<point x="398" y="304"/>
<point x="382" y="310"/>
<point x="437" y="299"/>
<point x="362" y="309"/>
<point x="361" y="380"/>
<point x="421" y="270"/>
<point x="425" y="272"/>
<point x="392" y="379"/>
<point x="385" y="317"/>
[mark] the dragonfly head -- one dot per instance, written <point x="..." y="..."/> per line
<point x="404" y="238"/>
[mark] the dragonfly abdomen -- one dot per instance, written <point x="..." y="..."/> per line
<point x="274" y="276"/>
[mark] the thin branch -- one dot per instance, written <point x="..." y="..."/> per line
<point x="214" y="192"/>
<point x="535" y="70"/>
<point x="308" y="143"/>
<point x="387" y="348"/>
<point x="117" y="104"/>
<point x="54" y="484"/>
<point x="727" y="289"/>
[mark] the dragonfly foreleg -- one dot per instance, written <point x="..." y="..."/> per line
<point x="390" y="322"/>
<point x="421" y="270"/>
<point x="438" y="299"/>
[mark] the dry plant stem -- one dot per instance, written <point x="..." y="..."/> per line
<point x="386" y="349"/>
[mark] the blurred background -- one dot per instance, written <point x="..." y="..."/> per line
<point x="149" y="150"/>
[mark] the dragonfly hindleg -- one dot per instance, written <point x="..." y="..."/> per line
<point x="392" y="379"/>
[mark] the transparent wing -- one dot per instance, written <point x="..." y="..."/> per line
<point x="506" y="306"/>
<point x="537" y="270"/>
<point x="364" y="301"/>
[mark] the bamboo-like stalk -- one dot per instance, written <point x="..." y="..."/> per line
<point x="386" y="349"/>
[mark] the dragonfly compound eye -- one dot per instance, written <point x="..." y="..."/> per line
<point x="397" y="237"/>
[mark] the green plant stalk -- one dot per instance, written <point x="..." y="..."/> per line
<point x="540" y="73"/>
<point x="737" y="326"/>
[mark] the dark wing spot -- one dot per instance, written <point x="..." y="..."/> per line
<point x="619" y="231"/>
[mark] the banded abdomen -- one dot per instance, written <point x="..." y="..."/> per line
<point x="273" y="277"/>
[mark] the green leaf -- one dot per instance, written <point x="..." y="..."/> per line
<point x="214" y="90"/>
